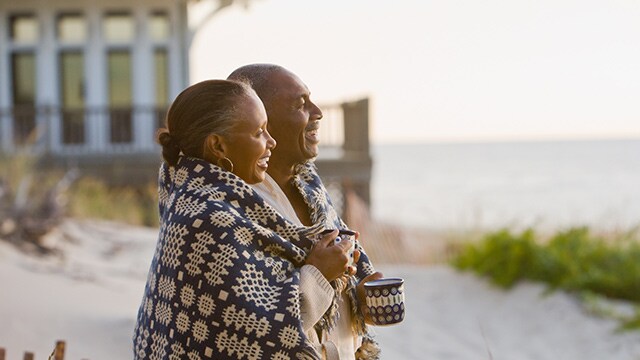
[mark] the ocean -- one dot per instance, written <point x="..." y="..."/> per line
<point x="546" y="185"/>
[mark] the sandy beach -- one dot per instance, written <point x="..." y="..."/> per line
<point x="89" y="296"/>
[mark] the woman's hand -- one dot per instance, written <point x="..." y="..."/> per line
<point x="331" y="259"/>
<point x="362" y="300"/>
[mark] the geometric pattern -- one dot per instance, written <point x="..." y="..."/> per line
<point x="221" y="261"/>
<point x="274" y="264"/>
<point x="166" y="287"/>
<point x="158" y="348"/>
<point x="175" y="234"/>
<point x="187" y="295"/>
<point x="250" y="323"/>
<point x="222" y="218"/>
<point x="198" y="249"/>
<point x="163" y="313"/>
<point x="255" y="288"/>
<point x="206" y="305"/>
<point x="289" y="337"/>
<point x="190" y="206"/>
<point x="280" y="356"/>
<point x="243" y="235"/>
<point x="294" y="306"/>
<point x="238" y="348"/>
<point x="224" y="279"/>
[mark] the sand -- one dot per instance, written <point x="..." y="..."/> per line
<point x="90" y="297"/>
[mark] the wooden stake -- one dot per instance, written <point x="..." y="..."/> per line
<point x="2" y="353"/>
<point x="28" y="355"/>
<point x="59" y="351"/>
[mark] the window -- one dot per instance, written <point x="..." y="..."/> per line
<point x="23" y="29"/>
<point x="72" y="92"/>
<point x="71" y="28"/>
<point x="119" y="28"/>
<point x="120" y="97"/>
<point x="159" y="26"/>
<point x="23" y="88"/>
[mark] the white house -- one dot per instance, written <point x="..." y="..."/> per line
<point x="89" y="76"/>
<point x="87" y="83"/>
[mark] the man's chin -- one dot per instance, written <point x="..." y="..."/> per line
<point x="311" y="152"/>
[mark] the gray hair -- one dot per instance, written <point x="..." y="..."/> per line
<point x="258" y="76"/>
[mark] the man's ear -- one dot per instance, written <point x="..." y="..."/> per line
<point x="215" y="145"/>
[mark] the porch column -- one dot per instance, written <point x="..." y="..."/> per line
<point x="96" y="79"/>
<point x="142" y="82"/>
<point x="47" y="98"/>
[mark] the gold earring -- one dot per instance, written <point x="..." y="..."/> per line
<point x="226" y="164"/>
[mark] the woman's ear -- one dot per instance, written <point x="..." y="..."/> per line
<point x="214" y="148"/>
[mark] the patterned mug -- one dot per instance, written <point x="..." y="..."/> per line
<point x="344" y="234"/>
<point x="385" y="300"/>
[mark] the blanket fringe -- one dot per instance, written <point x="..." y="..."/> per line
<point x="369" y="350"/>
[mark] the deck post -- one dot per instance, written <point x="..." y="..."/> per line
<point x="356" y="144"/>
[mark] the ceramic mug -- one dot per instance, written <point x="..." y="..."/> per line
<point x="344" y="234"/>
<point x="385" y="300"/>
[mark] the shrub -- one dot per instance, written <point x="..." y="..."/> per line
<point x="572" y="260"/>
<point x="92" y="198"/>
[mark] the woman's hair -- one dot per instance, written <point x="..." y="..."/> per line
<point x="208" y="107"/>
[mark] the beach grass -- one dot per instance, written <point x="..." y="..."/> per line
<point x="575" y="260"/>
<point x="93" y="198"/>
<point x="25" y="181"/>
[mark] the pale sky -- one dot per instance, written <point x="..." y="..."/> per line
<point x="448" y="70"/>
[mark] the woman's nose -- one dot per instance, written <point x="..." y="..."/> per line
<point x="271" y="142"/>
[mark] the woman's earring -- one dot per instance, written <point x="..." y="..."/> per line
<point x="226" y="164"/>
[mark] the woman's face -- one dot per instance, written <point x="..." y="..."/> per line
<point x="249" y="143"/>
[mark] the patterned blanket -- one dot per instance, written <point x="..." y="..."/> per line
<point x="224" y="280"/>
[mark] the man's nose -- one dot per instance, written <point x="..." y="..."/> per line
<point x="316" y="113"/>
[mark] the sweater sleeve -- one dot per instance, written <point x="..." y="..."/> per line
<point x="316" y="295"/>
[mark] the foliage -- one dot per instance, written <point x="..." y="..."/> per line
<point x="32" y="201"/>
<point x="92" y="198"/>
<point x="572" y="260"/>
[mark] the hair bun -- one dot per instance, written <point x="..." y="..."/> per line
<point x="170" y="148"/>
<point x="166" y="139"/>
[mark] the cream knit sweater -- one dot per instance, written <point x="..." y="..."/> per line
<point x="315" y="291"/>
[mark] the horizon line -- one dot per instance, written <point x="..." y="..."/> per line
<point x="497" y="140"/>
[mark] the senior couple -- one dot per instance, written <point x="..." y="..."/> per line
<point x="244" y="268"/>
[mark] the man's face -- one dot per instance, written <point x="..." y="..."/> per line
<point x="294" y="120"/>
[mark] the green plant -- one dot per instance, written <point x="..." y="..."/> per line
<point x="92" y="198"/>
<point x="572" y="260"/>
<point x="32" y="200"/>
<point x="502" y="256"/>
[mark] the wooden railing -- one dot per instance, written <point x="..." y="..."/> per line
<point x="58" y="131"/>
<point x="100" y="130"/>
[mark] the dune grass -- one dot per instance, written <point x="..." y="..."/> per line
<point x="24" y="184"/>
<point x="574" y="260"/>
<point x="92" y="198"/>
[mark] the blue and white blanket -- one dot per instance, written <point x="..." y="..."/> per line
<point x="224" y="280"/>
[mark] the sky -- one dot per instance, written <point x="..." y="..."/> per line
<point x="448" y="70"/>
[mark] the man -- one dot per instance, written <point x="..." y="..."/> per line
<point x="293" y="187"/>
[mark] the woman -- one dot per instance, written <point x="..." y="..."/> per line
<point x="224" y="280"/>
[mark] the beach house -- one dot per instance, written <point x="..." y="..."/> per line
<point x="86" y="83"/>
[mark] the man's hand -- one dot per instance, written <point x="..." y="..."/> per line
<point x="362" y="301"/>
<point x="331" y="259"/>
